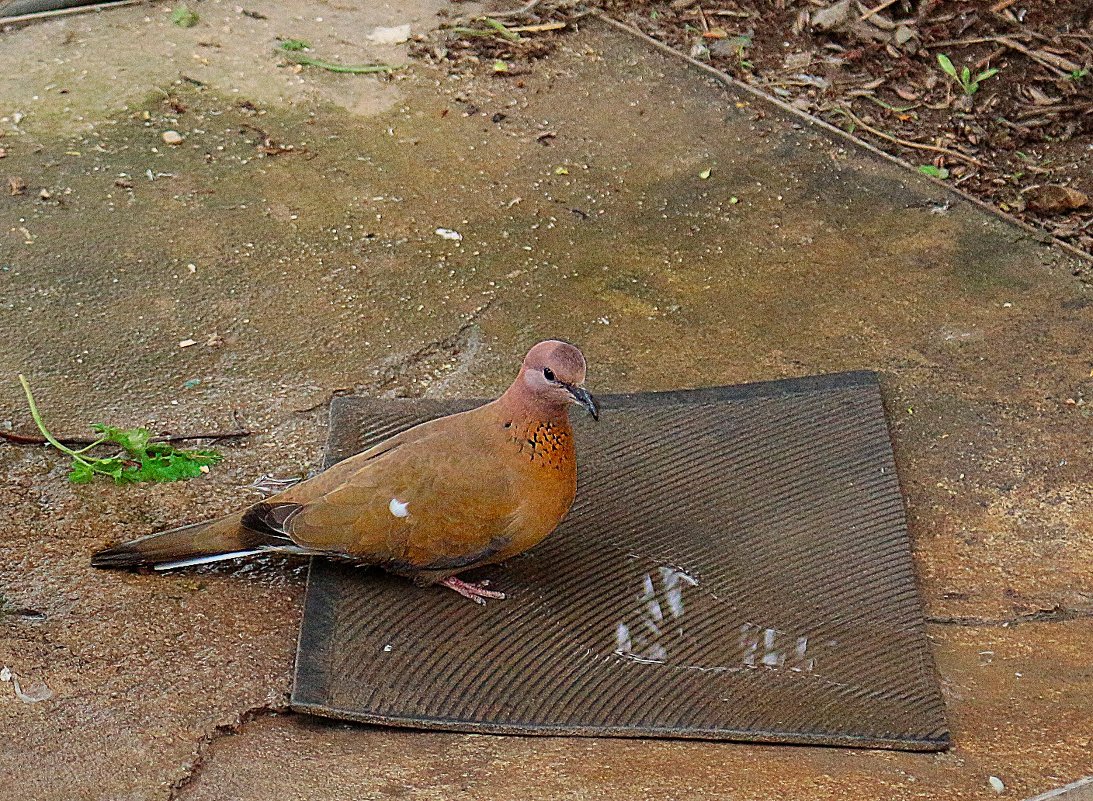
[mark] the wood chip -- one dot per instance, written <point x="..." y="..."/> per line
<point x="1061" y="66"/>
<point x="1041" y="98"/>
<point x="1064" y="64"/>
<point x="545" y="26"/>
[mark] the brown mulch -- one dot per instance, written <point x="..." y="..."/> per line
<point x="1022" y="140"/>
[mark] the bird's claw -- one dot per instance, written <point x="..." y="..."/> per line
<point x="476" y="592"/>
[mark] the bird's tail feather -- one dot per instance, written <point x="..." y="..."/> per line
<point x="219" y="539"/>
<point x="204" y="560"/>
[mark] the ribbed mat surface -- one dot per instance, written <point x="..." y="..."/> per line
<point x="736" y="566"/>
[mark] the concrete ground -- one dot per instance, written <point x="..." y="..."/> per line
<point x="298" y="274"/>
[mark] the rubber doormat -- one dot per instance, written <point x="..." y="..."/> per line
<point x="736" y="567"/>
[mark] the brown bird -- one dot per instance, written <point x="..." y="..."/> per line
<point x="446" y="496"/>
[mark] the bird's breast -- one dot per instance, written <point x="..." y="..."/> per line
<point x="547" y="479"/>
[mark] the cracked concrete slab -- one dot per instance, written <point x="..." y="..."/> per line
<point x="319" y="269"/>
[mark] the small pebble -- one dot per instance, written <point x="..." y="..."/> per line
<point x="172" y="137"/>
<point x="996" y="784"/>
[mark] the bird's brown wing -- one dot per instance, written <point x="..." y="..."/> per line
<point x="440" y="503"/>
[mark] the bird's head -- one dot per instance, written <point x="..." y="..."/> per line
<point x="553" y="372"/>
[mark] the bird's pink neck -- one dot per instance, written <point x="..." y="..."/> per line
<point x="522" y="404"/>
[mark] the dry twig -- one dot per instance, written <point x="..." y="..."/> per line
<point x="33" y="439"/>
<point x="906" y="142"/>
<point x="880" y="8"/>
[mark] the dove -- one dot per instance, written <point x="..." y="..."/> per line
<point x="443" y="497"/>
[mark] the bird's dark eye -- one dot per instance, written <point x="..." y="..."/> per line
<point x="548" y="374"/>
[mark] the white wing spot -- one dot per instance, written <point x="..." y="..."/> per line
<point x="398" y="508"/>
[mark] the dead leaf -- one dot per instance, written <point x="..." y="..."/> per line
<point x="830" y="18"/>
<point x="389" y="36"/>
<point x="733" y="47"/>
<point x="1055" y="199"/>
<point x="32" y="693"/>
<point x="798" y="61"/>
<point x="904" y="34"/>
<point x="16" y="185"/>
<point x="812" y="80"/>
<point x="801" y="24"/>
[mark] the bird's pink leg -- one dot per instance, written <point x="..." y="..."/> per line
<point x="476" y="592"/>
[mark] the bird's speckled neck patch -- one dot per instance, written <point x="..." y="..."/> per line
<point x="547" y="443"/>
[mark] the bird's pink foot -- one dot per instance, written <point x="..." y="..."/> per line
<point x="476" y="592"/>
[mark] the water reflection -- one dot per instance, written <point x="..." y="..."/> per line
<point x="647" y="641"/>
<point x="655" y="629"/>
<point x="771" y="648"/>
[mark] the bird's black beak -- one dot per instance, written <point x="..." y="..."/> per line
<point x="581" y="396"/>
